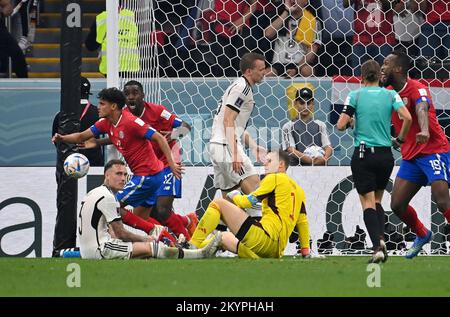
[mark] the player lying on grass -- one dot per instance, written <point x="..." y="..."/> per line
<point x="103" y="236"/>
<point x="283" y="208"/>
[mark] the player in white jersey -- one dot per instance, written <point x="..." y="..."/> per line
<point x="232" y="167"/>
<point x="103" y="236"/>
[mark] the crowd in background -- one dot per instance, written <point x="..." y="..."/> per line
<point x="16" y="34"/>
<point x="298" y="37"/>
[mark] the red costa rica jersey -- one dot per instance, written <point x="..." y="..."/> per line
<point x="131" y="138"/>
<point x="161" y="119"/>
<point x="412" y="93"/>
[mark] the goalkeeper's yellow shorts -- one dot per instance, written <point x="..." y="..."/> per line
<point x="254" y="237"/>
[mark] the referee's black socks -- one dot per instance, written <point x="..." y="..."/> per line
<point x="373" y="226"/>
<point x="380" y="214"/>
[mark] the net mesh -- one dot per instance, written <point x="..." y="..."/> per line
<point x="189" y="54"/>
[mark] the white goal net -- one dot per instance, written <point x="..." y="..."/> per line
<point x="189" y="54"/>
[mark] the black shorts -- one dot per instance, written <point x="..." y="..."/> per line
<point x="373" y="171"/>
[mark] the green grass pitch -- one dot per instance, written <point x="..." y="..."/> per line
<point x="292" y="277"/>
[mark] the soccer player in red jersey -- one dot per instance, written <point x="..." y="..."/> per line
<point x="130" y="135"/>
<point x="425" y="150"/>
<point x="167" y="123"/>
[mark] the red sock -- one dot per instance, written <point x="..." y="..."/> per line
<point x="410" y="218"/>
<point x="166" y="234"/>
<point x="137" y="222"/>
<point x="447" y="215"/>
<point x="153" y="221"/>
<point x="176" y="225"/>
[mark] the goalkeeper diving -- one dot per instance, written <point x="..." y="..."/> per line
<point x="283" y="209"/>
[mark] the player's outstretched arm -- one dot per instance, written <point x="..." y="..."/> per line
<point x="127" y="236"/>
<point x="93" y="143"/>
<point x="266" y="186"/>
<point x="75" y="138"/>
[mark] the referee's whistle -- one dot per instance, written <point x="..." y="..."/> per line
<point x="362" y="149"/>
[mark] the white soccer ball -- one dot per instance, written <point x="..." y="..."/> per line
<point x="76" y="165"/>
<point x="314" y="151"/>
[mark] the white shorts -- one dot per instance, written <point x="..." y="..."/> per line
<point x="115" y="249"/>
<point x="224" y="176"/>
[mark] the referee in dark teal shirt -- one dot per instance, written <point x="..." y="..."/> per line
<point x="369" y="109"/>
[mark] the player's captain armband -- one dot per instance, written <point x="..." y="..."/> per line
<point x="139" y="121"/>
<point x="176" y="123"/>
<point x="148" y="135"/>
<point x="423" y="99"/>
<point x="95" y="130"/>
<point x="166" y="114"/>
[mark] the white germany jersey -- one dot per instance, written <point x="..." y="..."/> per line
<point x="239" y="97"/>
<point x="99" y="208"/>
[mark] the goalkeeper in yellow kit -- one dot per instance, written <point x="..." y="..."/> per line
<point x="283" y="208"/>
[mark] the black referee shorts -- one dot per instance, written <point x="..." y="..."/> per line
<point x="373" y="171"/>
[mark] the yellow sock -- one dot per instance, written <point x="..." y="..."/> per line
<point x="303" y="231"/>
<point x="245" y="252"/>
<point x="207" y="224"/>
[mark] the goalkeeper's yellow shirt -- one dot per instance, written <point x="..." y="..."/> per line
<point x="282" y="202"/>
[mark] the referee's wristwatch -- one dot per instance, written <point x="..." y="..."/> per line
<point x="399" y="141"/>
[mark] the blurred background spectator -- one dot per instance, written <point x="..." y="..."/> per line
<point x="337" y="37"/>
<point x="407" y="21"/>
<point x="296" y="36"/>
<point x="265" y="12"/>
<point x="373" y="31"/>
<point x="230" y="28"/>
<point x="20" y="23"/>
<point x="435" y="32"/>
<point x="9" y="46"/>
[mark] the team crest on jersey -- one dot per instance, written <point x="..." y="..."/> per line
<point x="121" y="135"/>
<point x="405" y="101"/>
